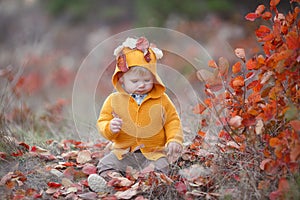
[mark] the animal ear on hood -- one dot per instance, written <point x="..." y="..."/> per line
<point x="136" y="52"/>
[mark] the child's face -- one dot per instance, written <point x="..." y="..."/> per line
<point x="136" y="83"/>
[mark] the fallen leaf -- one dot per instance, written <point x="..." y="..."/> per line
<point x="88" y="195"/>
<point x="66" y="182"/>
<point x="263" y="163"/>
<point x="89" y="169"/>
<point x="54" y="185"/>
<point x="127" y="194"/>
<point x="84" y="156"/>
<point x="274" y="142"/>
<point x="180" y="187"/>
<point x="6" y="178"/>
<point x="51" y="190"/>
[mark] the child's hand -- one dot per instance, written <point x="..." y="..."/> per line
<point x="115" y="125"/>
<point x="173" y="151"/>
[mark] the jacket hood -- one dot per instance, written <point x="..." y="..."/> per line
<point x="137" y="52"/>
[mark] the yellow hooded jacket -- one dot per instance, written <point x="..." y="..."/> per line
<point x="148" y="127"/>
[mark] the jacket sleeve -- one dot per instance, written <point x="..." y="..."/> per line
<point x="172" y="124"/>
<point x="104" y="119"/>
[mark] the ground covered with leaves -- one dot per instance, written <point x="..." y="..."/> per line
<point x="60" y="171"/>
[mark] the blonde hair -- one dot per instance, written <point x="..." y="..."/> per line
<point x="139" y="70"/>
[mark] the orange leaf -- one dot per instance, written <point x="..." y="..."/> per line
<point x="251" y="16"/>
<point x="260" y="9"/>
<point x="267" y="15"/>
<point x="292" y="40"/>
<point x="212" y="64"/>
<point x="252" y="84"/>
<point x="252" y="64"/>
<point x="199" y="109"/>
<point x="238" y="82"/>
<point x="274" y="142"/>
<point x="201" y="133"/>
<point x="236" y="68"/>
<point x="208" y="102"/>
<point x="273" y="3"/>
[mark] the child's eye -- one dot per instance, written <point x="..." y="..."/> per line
<point x="134" y="81"/>
<point x="147" y="80"/>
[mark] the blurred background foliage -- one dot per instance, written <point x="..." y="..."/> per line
<point x="44" y="43"/>
<point x="154" y="12"/>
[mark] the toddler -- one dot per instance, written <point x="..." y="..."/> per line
<point x="139" y="118"/>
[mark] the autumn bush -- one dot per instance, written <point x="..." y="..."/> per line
<point x="258" y="111"/>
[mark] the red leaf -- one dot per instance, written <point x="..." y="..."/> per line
<point x="18" y="153"/>
<point x="224" y="134"/>
<point x="142" y="44"/>
<point x="24" y="145"/>
<point x="292" y="40"/>
<point x="295" y="124"/>
<point x="54" y="184"/>
<point x="69" y="164"/>
<point x="273" y="3"/>
<point x="147" y="56"/>
<point x="251" y="16"/>
<point x="262" y="31"/>
<point x="252" y="84"/>
<point x="122" y="64"/>
<point x="267" y="15"/>
<point x="2" y="155"/>
<point x="295" y="152"/>
<point x="89" y="169"/>
<point x="180" y="187"/>
<point x="62" y="76"/>
<point x="69" y="173"/>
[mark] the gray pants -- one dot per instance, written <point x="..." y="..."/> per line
<point x="136" y="160"/>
